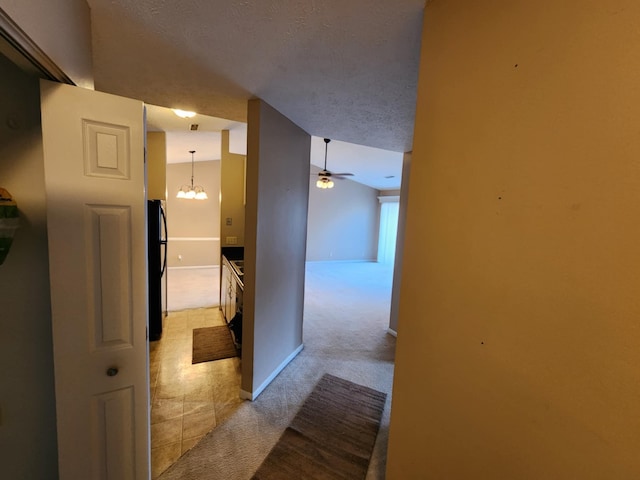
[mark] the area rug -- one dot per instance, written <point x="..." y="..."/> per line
<point x="332" y="435"/>
<point x="212" y="343"/>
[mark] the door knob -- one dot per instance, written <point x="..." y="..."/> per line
<point x="112" y="371"/>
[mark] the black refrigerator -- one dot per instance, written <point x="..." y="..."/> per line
<point x="157" y="255"/>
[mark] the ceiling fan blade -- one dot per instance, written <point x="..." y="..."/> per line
<point x="342" y="174"/>
<point x="339" y="177"/>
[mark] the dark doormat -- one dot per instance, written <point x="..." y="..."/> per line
<point x="331" y="437"/>
<point x="212" y="343"/>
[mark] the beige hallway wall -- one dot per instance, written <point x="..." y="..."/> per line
<point x="62" y="29"/>
<point x="518" y="336"/>
<point x="276" y="230"/>
<point x="28" y="446"/>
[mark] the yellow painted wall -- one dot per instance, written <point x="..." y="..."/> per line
<point x="156" y="165"/>
<point x="518" y="350"/>
<point x="232" y="198"/>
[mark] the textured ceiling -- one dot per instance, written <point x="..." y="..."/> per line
<point x="375" y="167"/>
<point x="341" y="69"/>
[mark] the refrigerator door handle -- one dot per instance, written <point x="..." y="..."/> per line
<point x="164" y="260"/>
<point x="164" y="223"/>
<point x="163" y="241"/>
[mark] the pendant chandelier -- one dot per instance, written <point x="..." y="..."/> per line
<point x="191" y="191"/>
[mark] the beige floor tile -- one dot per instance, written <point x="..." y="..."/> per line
<point x="177" y="348"/>
<point x="154" y="368"/>
<point x="204" y="368"/>
<point x="225" y="410"/>
<point x="214" y="316"/>
<point x="152" y="393"/>
<point x="174" y="334"/>
<point x="169" y="390"/>
<point x="163" y="457"/>
<point x="189" y="443"/>
<point x="187" y="400"/>
<point x="191" y="408"/>
<point x="198" y="393"/>
<point x="198" y="322"/>
<point x="163" y="409"/>
<point x="197" y="376"/>
<point x="166" y="432"/>
<point x="177" y="332"/>
<point x="198" y="424"/>
<point x="170" y="375"/>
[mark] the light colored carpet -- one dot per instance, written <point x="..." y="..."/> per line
<point x="193" y="288"/>
<point x="345" y="334"/>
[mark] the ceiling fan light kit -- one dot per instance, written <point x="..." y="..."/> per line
<point x="191" y="192"/>
<point x="325" y="176"/>
<point x="324" y="183"/>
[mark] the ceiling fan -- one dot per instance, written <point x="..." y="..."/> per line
<point x="325" y="176"/>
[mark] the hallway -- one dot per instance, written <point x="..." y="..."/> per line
<point x="345" y="333"/>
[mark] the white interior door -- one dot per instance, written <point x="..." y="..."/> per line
<point x="96" y="220"/>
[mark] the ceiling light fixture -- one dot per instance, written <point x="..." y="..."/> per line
<point x="183" y="113"/>
<point x="325" y="177"/>
<point x="190" y="191"/>
<point x="324" y="183"/>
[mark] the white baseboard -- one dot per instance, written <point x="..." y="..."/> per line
<point x="372" y="260"/>
<point x="193" y="267"/>
<point x="392" y="332"/>
<point x="252" y="396"/>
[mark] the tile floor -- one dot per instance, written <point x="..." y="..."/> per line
<point x="187" y="401"/>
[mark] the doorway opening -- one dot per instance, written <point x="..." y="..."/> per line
<point x="188" y="400"/>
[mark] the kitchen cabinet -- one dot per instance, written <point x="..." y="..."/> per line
<point x="231" y="288"/>
<point x="224" y="288"/>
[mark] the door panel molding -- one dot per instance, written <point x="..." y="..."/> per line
<point x="109" y="256"/>
<point x="114" y="437"/>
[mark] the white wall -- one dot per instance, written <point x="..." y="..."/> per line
<point x="194" y="225"/>
<point x="517" y="353"/>
<point x="343" y="221"/>
<point x="28" y="447"/>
